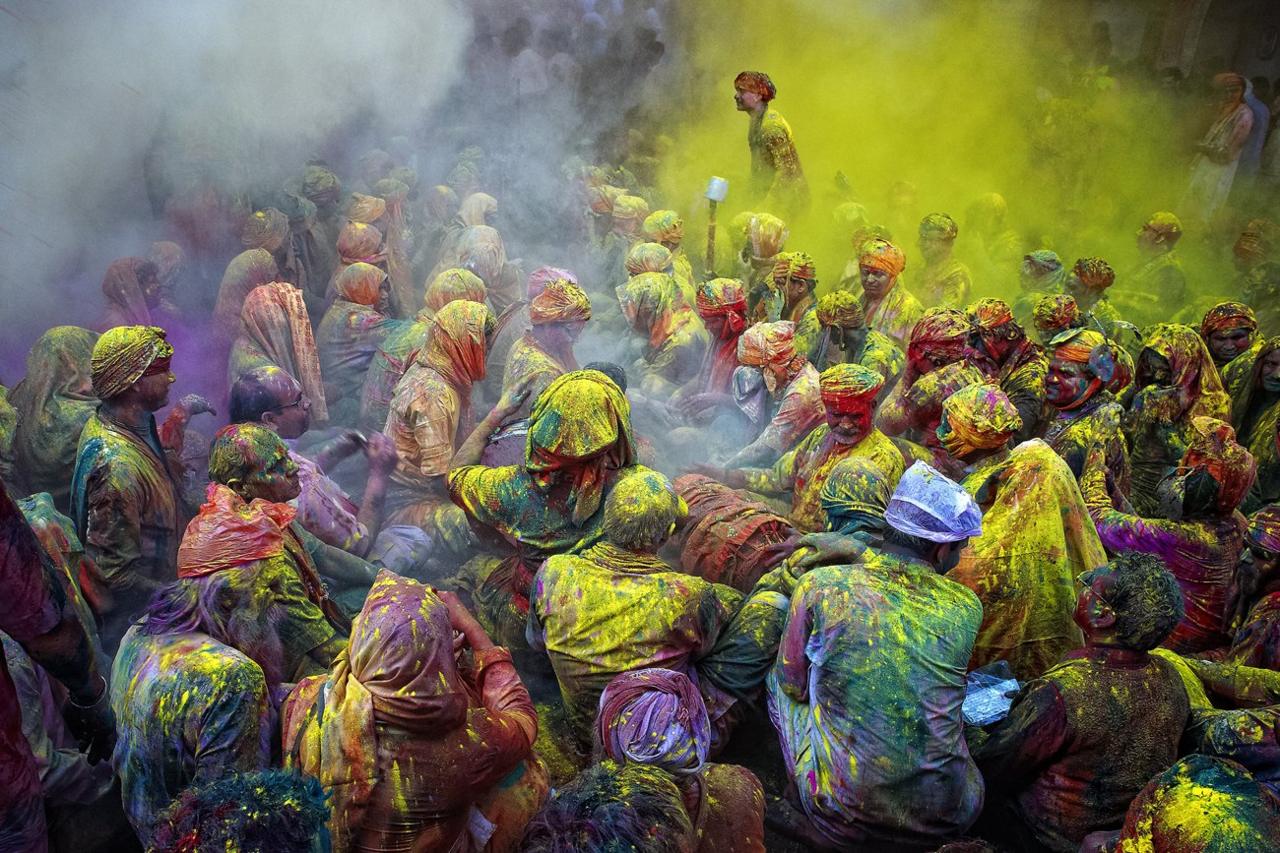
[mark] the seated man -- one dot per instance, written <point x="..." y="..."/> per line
<point x="617" y="607"/>
<point x="1083" y="411"/>
<point x="788" y="405"/>
<point x="190" y="684"/>
<point x="846" y="339"/>
<point x="252" y="479"/>
<point x="848" y="398"/>
<point x="1036" y="539"/>
<point x="1020" y="365"/>
<point x="889" y="307"/>
<point x="1081" y="741"/>
<point x="942" y="339"/>
<point x="870" y="678"/>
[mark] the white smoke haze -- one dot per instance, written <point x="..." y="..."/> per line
<point x="254" y="88"/>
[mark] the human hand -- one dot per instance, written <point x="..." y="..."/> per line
<point x="194" y="404"/>
<point x="512" y="399"/>
<point x="381" y="453"/>
<point x="92" y="723"/>
<point x="460" y="618"/>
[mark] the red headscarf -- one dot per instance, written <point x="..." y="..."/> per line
<point x="228" y="533"/>
<point x="1214" y="449"/>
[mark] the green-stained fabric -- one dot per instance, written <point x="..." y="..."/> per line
<point x="1255" y="414"/>
<point x="866" y="696"/>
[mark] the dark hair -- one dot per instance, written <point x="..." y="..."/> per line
<point x="613" y="371"/>
<point x="1146" y="600"/>
<point x="273" y="810"/>
<point x="252" y="396"/>
<point x="635" y="808"/>
<point x="915" y="544"/>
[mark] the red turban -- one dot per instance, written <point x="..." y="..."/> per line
<point x="1094" y="273"/>
<point x="229" y="532"/>
<point x="848" y="386"/>
<point x="883" y="255"/>
<point x="757" y="82"/>
<point x="991" y="313"/>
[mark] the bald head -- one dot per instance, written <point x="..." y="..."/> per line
<point x="270" y="396"/>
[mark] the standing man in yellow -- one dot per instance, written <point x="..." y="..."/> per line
<point x="776" y="176"/>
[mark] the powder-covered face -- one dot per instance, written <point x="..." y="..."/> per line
<point x="1269" y="372"/>
<point x="934" y="247"/>
<point x="153" y="391"/>
<point x="277" y="479"/>
<point x="1226" y="344"/>
<point x="1154" y="369"/>
<point x="1068" y="384"/>
<point x="850" y="422"/>
<point x="746" y="101"/>
<point x="875" y="282"/>
<point x="1091" y="603"/>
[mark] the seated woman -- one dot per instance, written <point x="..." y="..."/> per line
<point x="275" y="331"/>
<point x="421" y="752"/>
<point x="1253" y="381"/>
<point x="557" y="317"/>
<point x="1200" y="536"/>
<point x="617" y="606"/>
<point x="405" y="339"/>
<point x="671" y="337"/>
<point x="1177" y="383"/>
<point x="53" y="402"/>
<point x="1228" y="329"/>
<point x="349" y="336"/>
<point x="1083" y="366"/>
<point x="657" y="717"/>
<point x="1253" y="610"/>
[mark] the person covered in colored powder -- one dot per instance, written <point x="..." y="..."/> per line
<point x="867" y="688"/>
<point x="848" y="398"/>
<point x="889" y="307"/>
<point x="1081" y="741"/>
<point x="845" y="338"/>
<point x="790" y="397"/>
<point x="945" y="281"/>
<point x="557" y="317"/>
<point x="1253" y="381"/>
<point x="275" y="331"/>
<point x="1087" y="285"/>
<point x="656" y="717"/>
<point x="668" y="333"/>
<point x="1159" y="280"/>
<point x="665" y="227"/>
<point x="1254" y="605"/>
<point x="941" y="342"/>
<point x="1083" y="411"/>
<point x="1037" y="536"/>
<point x="777" y="178"/>
<point x="617" y="607"/>
<point x="1229" y="330"/>
<point x="722" y="305"/>
<point x="190" y="683"/>
<point x="350" y="334"/>
<point x="1019" y="364"/>
<point x="1054" y="314"/>
<point x="790" y="296"/>
<point x="1200" y="535"/>
<point x="425" y="741"/>
<point x="1042" y="274"/>
<point x="1177" y="383"/>
<point x="125" y="498"/>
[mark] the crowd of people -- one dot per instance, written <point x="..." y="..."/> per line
<point x="444" y="550"/>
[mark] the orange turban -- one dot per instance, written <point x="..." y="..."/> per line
<point x="229" y="532"/>
<point x="648" y="257"/>
<point x="991" y="313"/>
<point x="793" y="266"/>
<point x="560" y="302"/>
<point x="767" y="343"/>
<point x="1094" y="273"/>
<point x="757" y="82"/>
<point x="360" y="242"/>
<point x="664" y="226"/>
<point x="841" y="308"/>
<point x="883" y="255"/>
<point x="365" y="209"/>
<point x="452" y="285"/>
<point x="980" y="417"/>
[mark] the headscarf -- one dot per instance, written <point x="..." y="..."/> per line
<point x="756" y="82"/>
<point x="560" y="302"/>
<point x="1056" y="312"/>
<point x="399" y="669"/>
<point x="456" y="344"/>
<point x="770" y="344"/>
<point x="441" y="201"/>
<point x="480" y="249"/>
<point x="980" y="417"/>
<point x="391" y="191"/>
<point x="1046" y="265"/>
<point x="1262" y="441"/>
<point x="1094" y="273"/>
<point x="365" y="209"/>
<point x="452" y="285"/>
<point x="1165" y="224"/>
<point x="724" y="297"/>
<point x="320" y="184"/>
<point x="1264" y="528"/>
<point x="883" y="255"/>
<point x="629" y="209"/>
<point x="939" y="225"/>
<point x="475" y="209"/>
<point x="275" y="320"/>
<point x="841" y="309"/>
<point x="167" y="257"/>
<point x="53" y="401"/>
<point x="601" y="198"/>
<point x="1228" y="315"/>
<point x="990" y="314"/>
<point x="124" y="293"/>
<point x="1227" y="79"/>
<point x="229" y="532"/>
<point x="542" y="276"/>
<point x="768" y="234"/>
<point x="1258" y="241"/>
<point x="246" y="271"/>
<point x="360" y="243"/>
<point x="664" y="226"/>
<point x="855" y="488"/>
<point x="791" y="267"/>
<point x="942" y="331"/>
<point x="266" y="229"/>
<point x="657" y="717"/>
<point x="648" y="257"/>
<point x="1087" y="347"/>
<point x="1194" y="376"/>
<point x="1213" y="449"/>
<point x="846" y="385"/>
<point x="360" y="283"/>
<point x="580" y="429"/>
<point x="649" y="301"/>
<point x="929" y="506"/>
<point x="124" y="355"/>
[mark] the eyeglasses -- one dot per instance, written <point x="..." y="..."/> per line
<point x="298" y="402"/>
